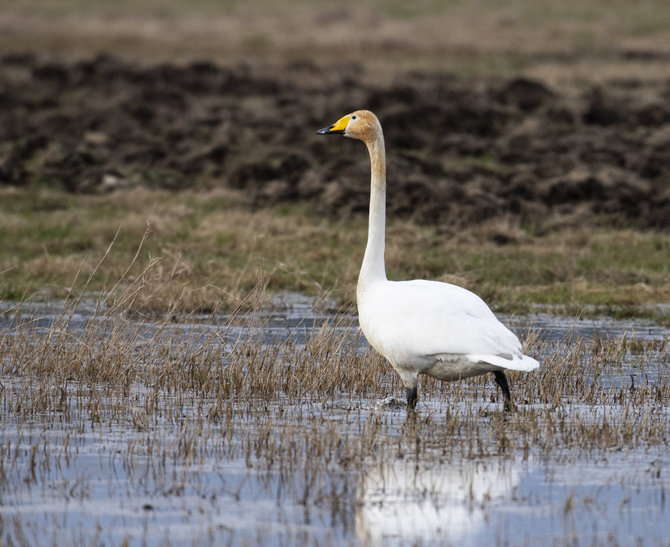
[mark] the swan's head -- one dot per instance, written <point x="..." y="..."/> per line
<point x="362" y="125"/>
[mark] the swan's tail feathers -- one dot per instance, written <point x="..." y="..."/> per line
<point x="524" y="362"/>
<point x="517" y="362"/>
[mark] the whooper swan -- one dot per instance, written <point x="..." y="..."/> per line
<point x="419" y="326"/>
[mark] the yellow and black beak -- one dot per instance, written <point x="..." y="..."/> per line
<point x="337" y="128"/>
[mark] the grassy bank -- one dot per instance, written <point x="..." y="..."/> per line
<point x="204" y="251"/>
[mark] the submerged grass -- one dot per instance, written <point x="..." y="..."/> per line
<point x="118" y="369"/>
<point x="206" y="251"/>
<point x="301" y="408"/>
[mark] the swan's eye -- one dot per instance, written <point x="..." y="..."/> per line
<point x="353" y="117"/>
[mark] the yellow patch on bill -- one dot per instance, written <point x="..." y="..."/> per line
<point x="341" y="124"/>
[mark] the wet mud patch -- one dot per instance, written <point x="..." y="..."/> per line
<point x="460" y="151"/>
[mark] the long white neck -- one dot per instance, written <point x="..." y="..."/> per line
<point x="373" y="261"/>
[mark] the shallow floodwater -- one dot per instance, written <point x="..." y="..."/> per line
<point x="69" y="479"/>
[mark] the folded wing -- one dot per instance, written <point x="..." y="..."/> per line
<point x="422" y="320"/>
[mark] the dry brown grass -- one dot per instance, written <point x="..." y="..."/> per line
<point x="304" y="406"/>
<point x="590" y="394"/>
<point x="204" y="252"/>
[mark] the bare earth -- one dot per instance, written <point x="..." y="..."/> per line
<point x="461" y="150"/>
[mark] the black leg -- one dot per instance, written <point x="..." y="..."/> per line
<point x="411" y="397"/>
<point x="501" y="380"/>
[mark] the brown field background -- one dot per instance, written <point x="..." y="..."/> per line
<point x="594" y="39"/>
<point x="527" y="144"/>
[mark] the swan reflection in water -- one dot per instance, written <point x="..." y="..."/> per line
<point x="411" y="502"/>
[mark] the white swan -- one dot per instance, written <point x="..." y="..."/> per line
<point x="422" y="327"/>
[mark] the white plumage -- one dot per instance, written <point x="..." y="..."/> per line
<point x="422" y="327"/>
<point x="416" y="324"/>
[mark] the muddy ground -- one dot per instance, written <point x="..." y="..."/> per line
<point x="459" y="150"/>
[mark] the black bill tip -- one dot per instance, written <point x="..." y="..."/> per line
<point x="329" y="131"/>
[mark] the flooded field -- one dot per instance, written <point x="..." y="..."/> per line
<point x="282" y="428"/>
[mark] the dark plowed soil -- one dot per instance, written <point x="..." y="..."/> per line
<point x="459" y="151"/>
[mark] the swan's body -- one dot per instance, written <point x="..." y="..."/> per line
<point x="422" y="327"/>
<point x="438" y="329"/>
